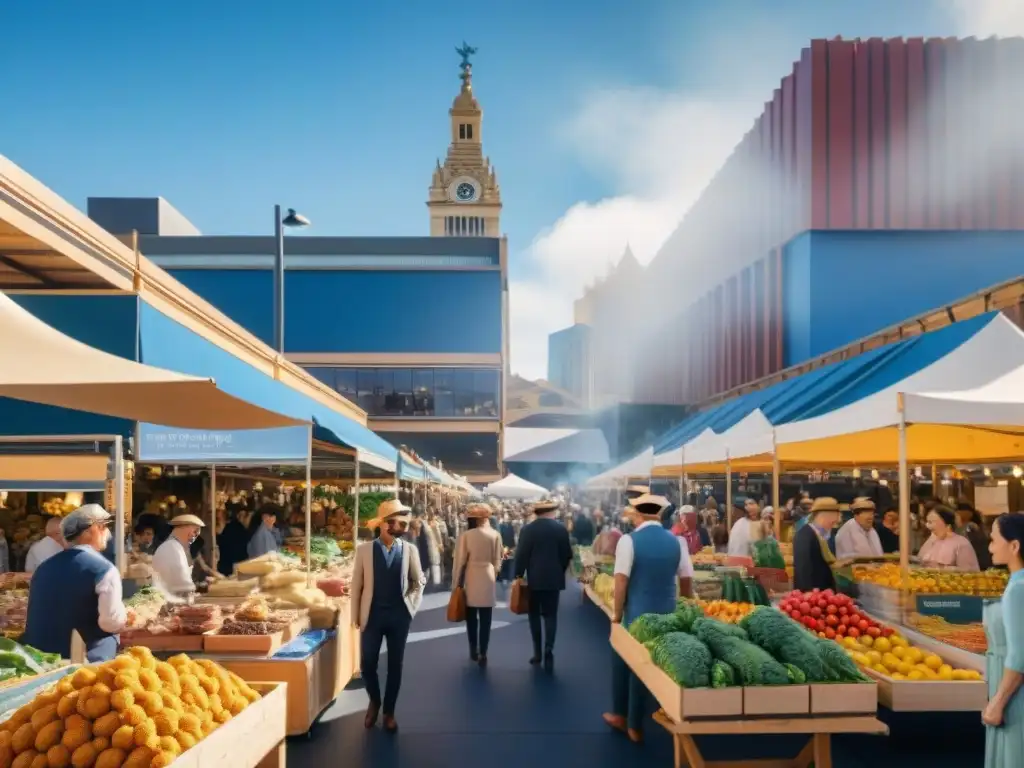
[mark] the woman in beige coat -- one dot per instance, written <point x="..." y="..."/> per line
<point x="477" y="560"/>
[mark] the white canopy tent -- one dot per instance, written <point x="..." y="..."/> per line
<point x="751" y="436"/>
<point x="970" y="386"/>
<point x="42" y="365"/>
<point x="676" y="456"/>
<point x="514" y="487"/>
<point x="638" y="466"/>
<point x="559" y="446"/>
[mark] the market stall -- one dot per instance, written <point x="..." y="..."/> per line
<point x="514" y="487"/>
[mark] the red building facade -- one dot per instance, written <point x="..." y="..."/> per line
<point x="875" y="134"/>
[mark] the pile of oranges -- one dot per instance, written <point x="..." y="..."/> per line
<point x="724" y="611"/>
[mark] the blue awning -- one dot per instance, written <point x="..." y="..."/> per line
<point x="832" y="386"/>
<point x="165" y="343"/>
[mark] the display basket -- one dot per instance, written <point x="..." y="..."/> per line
<point x="734" y="561"/>
<point x="774" y="580"/>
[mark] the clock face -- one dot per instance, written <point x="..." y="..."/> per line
<point x="464" y="191"/>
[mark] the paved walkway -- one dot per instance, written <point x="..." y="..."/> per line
<point x="451" y="713"/>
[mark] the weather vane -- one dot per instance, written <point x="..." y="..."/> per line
<point x="465" y="52"/>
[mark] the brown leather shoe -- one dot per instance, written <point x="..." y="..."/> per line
<point x="390" y="724"/>
<point x="371" y="715"/>
<point x="616" y="722"/>
<point x="635" y="736"/>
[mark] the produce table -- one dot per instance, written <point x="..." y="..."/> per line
<point x="316" y="666"/>
<point x="588" y="591"/>
<point x="816" y="709"/>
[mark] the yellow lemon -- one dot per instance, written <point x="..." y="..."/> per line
<point x="897" y="676"/>
<point x="915" y="674"/>
<point x="945" y="673"/>
<point x="932" y="661"/>
<point x="973" y="674"/>
<point x="850" y="642"/>
<point x="882" y="644"/>
<point x="959" y="674"/>
<point x="904" y="668"/>
<point x="861" y="659"/>
<point x="866" y="640"/>
<point x="890" y="661"/>
<point x="874" y="657"/>
<point x="945" y="668"/>
<point x="914" y="655"/>
<point x="880" y="669"/>
<point x="898" y="640"/>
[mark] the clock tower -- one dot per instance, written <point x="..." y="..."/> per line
<point x="464" y="198"/>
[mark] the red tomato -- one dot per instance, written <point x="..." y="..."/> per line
<point x="845" y="620"/>
<point x="886" y="631"/>
<point x="854" y="618"/>
<point x="830" y="633"/>
<point x="815" y="611"/>
<point x="841" y="630"/>
<point x="822" y="603"/>
<point x="853" y="632"/>
<point x="820" y="625"/>
<point x="795" y="615"/>
<point x="828" y="593"/>
<point x="843" y="610"/>
<point x="862" y="625"/>
<point x="805" y="607"/>
<point x="874" y="631"/>
<point x="809" y="622"/>
<point x="832" y="609"/>
<point x="815" y="591"/>
<point x="832" y="620"/>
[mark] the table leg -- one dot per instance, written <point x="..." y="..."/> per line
<point x="275" y="758"/>
<point x="806" y="756"/>
<point x="822" y="750"/>
<point x="693" y="755"/>
<point x="677" y="745"/>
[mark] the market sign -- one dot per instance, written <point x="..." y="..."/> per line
<point x="956" y="609"/>
<point x="169" y="445"/>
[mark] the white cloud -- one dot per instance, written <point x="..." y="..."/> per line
<point x="982" y="18"/>
<point x="660" y="149"/>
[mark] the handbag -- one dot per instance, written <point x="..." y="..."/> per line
<point x="519" y="598"/>
<point x="457" y="600"/>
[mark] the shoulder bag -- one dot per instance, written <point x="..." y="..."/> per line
<point x="519" y="598"/>
<point x="457" y="600"/>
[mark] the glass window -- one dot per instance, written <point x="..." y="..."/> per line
<point x="485" y="390"/>
<point x="401" y="404"/>
<point x="462" y="387"/>
<point x="325" y="375"/>
<point x="384" y="392"/>
<point x="423" y="391"/>
<point x="345" y="382"/>
<point x="366" y="383"/>
<point x="444" y="397"/>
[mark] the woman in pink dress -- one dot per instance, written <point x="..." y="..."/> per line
<point x="946" y="548"/>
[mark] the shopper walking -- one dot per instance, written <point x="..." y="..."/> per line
<point x="543" y="556"/>
<point x="1004" y="630"/>
<point x="477" y="560"/>
<point x="648" y="564"/>
<point x="387" y="588"/>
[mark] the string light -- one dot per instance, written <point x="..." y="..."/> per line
<point x="874" y="474"/>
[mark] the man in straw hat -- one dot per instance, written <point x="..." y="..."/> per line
<point x="172" y="562"/>
<point x="812" y="557"/>
<point x="543" y="555"/>
<point x="387" y="587"/>
<point x="857" y="537"/>
<point x="650" y="564"/>
<point x="78" y="591"/>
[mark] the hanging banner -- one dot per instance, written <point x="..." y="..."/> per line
<point x="169" y="445"/>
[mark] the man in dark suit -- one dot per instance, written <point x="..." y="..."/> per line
<point x="543" y="556"/>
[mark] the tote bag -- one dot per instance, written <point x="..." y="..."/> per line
<point x="519" y="598"/>
<point x="457" y="600"/>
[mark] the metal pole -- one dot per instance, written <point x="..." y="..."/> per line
<point x="776" y="505"/>
<point x="214" y="550"/>
<point x="278" y="281"/>
<point x="904" y="497"/>
<point x="119" y="556"/>
<point x="309" y="508"/>
<point x="355" y="506"/>
<point x="728" y="493"/>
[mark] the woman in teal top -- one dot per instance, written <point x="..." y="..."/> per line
<point x="1004" y="669"/>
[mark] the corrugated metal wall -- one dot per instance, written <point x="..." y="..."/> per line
<point x="863" y="134"/>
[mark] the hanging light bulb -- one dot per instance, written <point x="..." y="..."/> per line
<point x="856" y="474"/>
<point x="1017" y="471"/>
<point x="874" y="474"/>
<point x="986" y="472"/>
<point x="884" y="483"/>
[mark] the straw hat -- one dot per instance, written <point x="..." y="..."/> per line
<point x="188" y="520"/>
<point x="862" y="504"/>
<point x="392" y="509"/>
<point x="824" y="504"/>
<point x="479" y="511"/>
<point x="542" y="507"/>
<point x="648" y="505"/>
<point x="637" y="490"/>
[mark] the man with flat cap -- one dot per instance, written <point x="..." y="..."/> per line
<point x="650" y="565"/>
<point x="78" y="591"/>
<point x="543" y="556"/>
<point x="387" y="588"/>
<point x="172" y="562"/>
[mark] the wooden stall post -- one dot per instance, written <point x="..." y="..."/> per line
<point x="309" y="509"/>
<point x="214" y="549"/>
<point x="355" y="506"/>
<point x="776" y="471"/>
<point x="904" y="491"/>
<point x="728" y="493"/>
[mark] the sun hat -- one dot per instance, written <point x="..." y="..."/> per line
<point x="392" y="509"/>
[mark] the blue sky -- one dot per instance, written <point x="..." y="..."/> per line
<point x="340" y="110"/>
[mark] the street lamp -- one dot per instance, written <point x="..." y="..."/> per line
<point x="296" y="220"/>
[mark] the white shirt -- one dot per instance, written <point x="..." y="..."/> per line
<point x="112" y="613"/>
<point x="624" y="554"/>
<point x="40" y="552"/>
<point x="853" y="541"/>
<point x="171" y="571"/>
<point x="739" y="537"/>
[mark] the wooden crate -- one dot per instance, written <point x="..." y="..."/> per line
<point x="253" y="739"/>
<point x="248" y="645"/>
<point x="844" y="698"/>
<point x="777" y="700"/>
<point x="678" y="703"/>
<point x="164" y="643"/>
<point x="930" y="695"/>
<point x="596" y="600"/>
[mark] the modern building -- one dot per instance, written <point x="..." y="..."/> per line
<point x="412" y="329"/>
<point x="882" y="181"/>
<point x="569" y="361"/>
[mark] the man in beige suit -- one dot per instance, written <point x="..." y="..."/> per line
<point x="387" y="587"/>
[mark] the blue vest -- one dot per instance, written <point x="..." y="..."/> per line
<point x="652" y="581"/>
<point x="387" y="581"/>
<point x="63" y="598"/>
